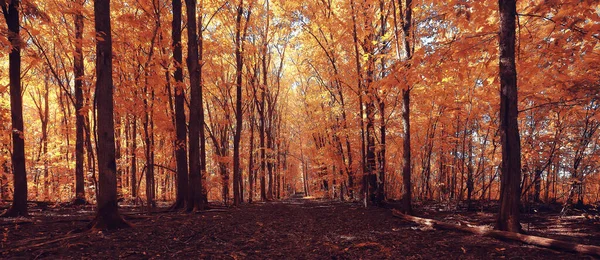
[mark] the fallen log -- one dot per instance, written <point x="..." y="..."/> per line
<point x="504" y="235"/>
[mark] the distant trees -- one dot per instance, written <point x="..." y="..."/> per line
<point x="355" y="100"/>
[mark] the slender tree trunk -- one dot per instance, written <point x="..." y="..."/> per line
<point x="91" y="157"/>
<point x="80" y="113"/>
<point x="180" y="120"/>
<point x="270" y="154"/>
<point x="4" y="181"/>
<point x="406" y="153"/>
<point x="148" y="146"/>
<point x="118" y="157"/>
<point x="19" y="206"/>
<point x="203" y="191"/>
<point x="381" y="156"/>
<point x="127" y="176"/>
<point x="380" y="194"/>
<point x="238" y="104"/>
<point x="470" y="181"/>
<point x="134" y="158"/>
<point x="195" y="201"/>
<point x="261" y="113"/>
<point x="406" y="176"/>
<point x="510" y="190"/>
<point x="263" y="159"/>
<point x="548" y="183"/>
<point x="107" y="216"/>
<point x="47" y="183"/>
<point x="360" y="97"/>
<point x="251" y="158"/>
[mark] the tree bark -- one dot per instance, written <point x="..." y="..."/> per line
<point x="19" y="206"/>
<point x="195" y="201"/>
<point x="238" y="104"/>
<point x="406" y="166"/>
<point x="79" y="71"/>
<point x="107" y="216"/>
<point x="251" y="158"/>
<point x="510" y="190"/>
<point x="203" y="191"/>
<point x="134" y="158"/>
<point x="180" y="120"/>
<point x="360" y="102"/>
<point x="406" y="155"/>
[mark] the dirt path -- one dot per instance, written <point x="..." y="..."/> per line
<point x="291" y="229"/>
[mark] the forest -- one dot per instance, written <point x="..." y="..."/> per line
<point x="353" y="129"/>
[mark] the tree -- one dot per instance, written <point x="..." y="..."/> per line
<point x="239" y="42"/>
<point x="19" y="206"/>
<point x="78" y="70"/>
<point x="196" y="125"/>
<point x="510" y="189"/>
<point x="180" y="126"/>
<point x="107" y="215"/>
<point x="406" y="22"/>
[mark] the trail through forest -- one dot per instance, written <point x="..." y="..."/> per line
<point x="296" y="228"/>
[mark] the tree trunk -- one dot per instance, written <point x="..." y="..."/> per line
<point x="406" y="156"/>
<point x="4" y="181"/>
<point x="470" y="181"/>
<point x="510" y="190"/>
<point x="78" y="70"/>
<point x="406" y="191"/>
<point x="107" y="216"/>
<point x="149" y="146"/>
<point x="251" y="158"/>
<point x="270" y="154"/>
<point x="360" y="97"/>
<point x="238" y="104"/>
<point x="195" y="201"/>
<point x="180" y="121"/>
<point x="261" y="114"/>
<point x="19" y="206"/>
<point x="381" y="156"/>
<point x="203" y="191"/>
<point x="134" y="158"/>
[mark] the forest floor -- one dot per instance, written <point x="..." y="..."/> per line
<point x="295" y="228"/>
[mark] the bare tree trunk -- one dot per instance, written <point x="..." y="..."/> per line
<point x="406" y="171"/>
<point x="180" y="121"/>
<point x="134" y="158"/>
<point x="19" y="206"/>
<point x="80" y="113"/>
<point x="510" y="190"/>
<point x="195" y="201"/>
<point x="203" y="191"/>
<point x="238" y="104"/>
<point x="470" y="181"/>
<point x="149" y="146"/>
<point x="107" y="216"/>
<point x="251" y="158"/>
<point x="4" y="181"/>
<point x="360" y="103"/>
<point x="406" y="20"/>
<point x="118" y="158"/>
